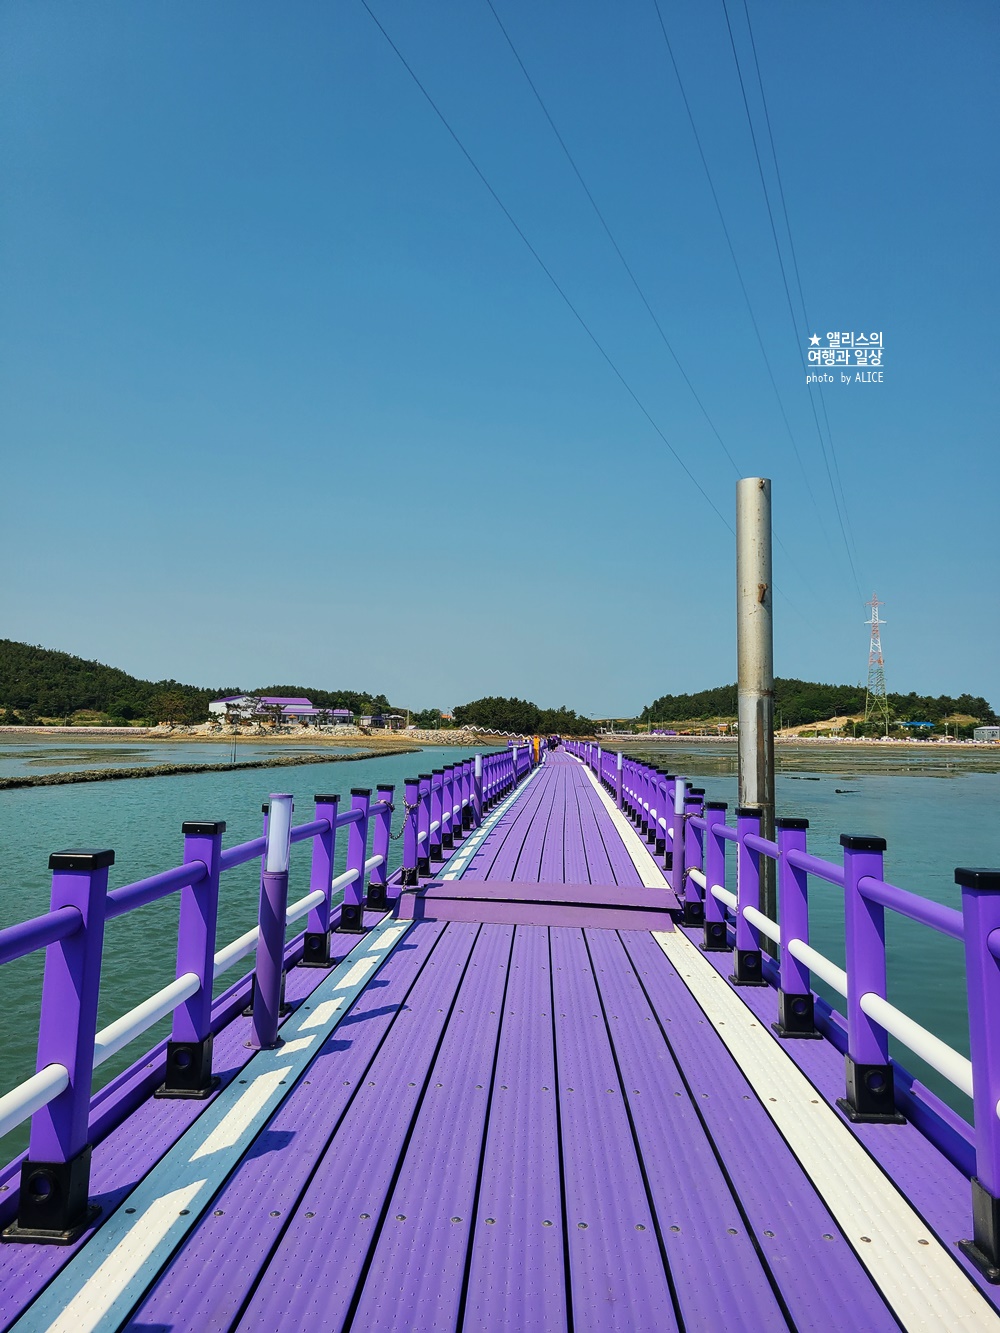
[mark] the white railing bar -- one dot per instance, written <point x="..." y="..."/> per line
<point x="232" y="953"/>
<point x="663" y="824"/>
<point x="435" y="826"/>
<point x="834" y="976"/>
<point x="110" y="1040"/>
<point x="698" y="878"/>
<point x="342" y="881"/>
<point x="304" y="905"/>
<point x="938" y="1054"/>
<point x="31" y="1095"/>
<point x="763" y="923"/>
<point x="724" y="896"/>
<point x="421" y="837"/>
<point x="373" y="862"/>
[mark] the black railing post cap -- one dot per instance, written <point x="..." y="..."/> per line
<point x="791" y="822"/>
<point x="327" y="798"/>
<point x="410" y="782"/>
<point x="716" y="805"/>
<point x="977" y="877"/>
<point x="425" y="777"/>
<point x="862" y="842"/>
<point x="204" y="827"/>
<point x="361" y="791"/>
<point x="437" y="772"/>
<point x="82" y="858"/>
<point x="696" y="791"/>
<point x="385" y="786"/>
<point x="748" y="812"/>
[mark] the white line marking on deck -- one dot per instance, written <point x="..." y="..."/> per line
<point x="919" y="1278"/>
<point x="650" y="874"/>
<point x="101" y="1284"/>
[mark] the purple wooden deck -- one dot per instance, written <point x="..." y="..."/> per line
<point x="517" y="1126"/>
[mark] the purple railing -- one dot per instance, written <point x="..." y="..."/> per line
<point x="53" y="1201"/>
<point x="691" y="836"/>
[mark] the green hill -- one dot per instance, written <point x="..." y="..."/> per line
<point x="43" y="683"/>
<point x="803" y="701"/>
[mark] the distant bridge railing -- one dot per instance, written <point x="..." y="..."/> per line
<point x="438" y="808"/>
<point x="691" y="836"/>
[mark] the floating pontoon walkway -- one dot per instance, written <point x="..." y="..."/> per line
<point x="525" y="1100"/>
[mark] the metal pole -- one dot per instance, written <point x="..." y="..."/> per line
<point x="755" y="666"/>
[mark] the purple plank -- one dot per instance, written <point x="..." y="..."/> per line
<point x="575" y="856"/>
<point x="530" y="819"/>
<point x="431" y="1210"/>
<point x="822" y="1282"/>
<point x="552" y="859"/>
<point x="599" y="865"/>
<point x="250" y="1211"/>
<point x="601" y="895"/>
<point x="129" y="1152"/>
<point x="699" y="1221"/>
<point x="934" y="1187"/>
<point x="622" y="865"/>
<point x="507" y="827"/>
<point x="534" y="914"/>
<point x="517" y="1277"/>
<point x="617" y="1276"/>
<point x="316" y="1266"/>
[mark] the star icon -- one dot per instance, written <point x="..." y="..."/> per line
<point x="814" y="340"/>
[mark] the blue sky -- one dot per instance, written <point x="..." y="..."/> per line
<point x="286" y="398"/>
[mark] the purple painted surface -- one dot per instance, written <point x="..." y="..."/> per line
<point x="938" y="1190"/>
<point x="327" y="1241"/>
<point x="700" y="1224"/>
<point x="592" y="894"/>
<point x="251" y="1211"/>
<point x="617" y="1277"/>
<point x="517" y="1280"/>
<point x="821" y="1280"/>
<point x="415" y="908"/>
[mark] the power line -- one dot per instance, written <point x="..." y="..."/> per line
<point x="788" y="295"/>
<point x="546" y="270"/>
<point x="610" y="235"/>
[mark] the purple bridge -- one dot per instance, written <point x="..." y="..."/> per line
<point x="544" y="1077"/>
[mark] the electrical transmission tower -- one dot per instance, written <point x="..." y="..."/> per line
<point x="876" y="701"/>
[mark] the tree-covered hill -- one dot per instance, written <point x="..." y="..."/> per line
<point x="800" y="702"/>
<point x="43" y="683"/>
<point x="519" y="715"/>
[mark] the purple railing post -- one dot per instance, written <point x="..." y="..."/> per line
<point x="662" y="812"/>
<point x="870" y="1091"/>
<point x="513" y="766"/>
<point x="714" y="939"/>
<point x="477" y="791"/>
<point x="352" y="909"/>
<point x="437" y="813"/>
<point x="55" y="1176"/>
<point x="189" y="1050"/>
<point x="619" y="779"/>
<point x="795" y="998"/>
<point x="693" y="906"/>
<point x="447" y="806"/>
<point x="746" y="956"/>
<point x="677" y="822"/>
<point x="271" y="923"/>
<point x="424" y="826"/>
<point x="981" y="919"/>
<point x="411" y="851"/>
<point x="316" y="944"/>
<point x="466" y="795"/>
<point x="378" y="880"/>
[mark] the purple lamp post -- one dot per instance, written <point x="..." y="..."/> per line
<point x="271" y="941"/>
<point x="619" y="777"/>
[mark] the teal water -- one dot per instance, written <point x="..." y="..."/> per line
<point x="141" y="819"/>
<point x="937" y="811"/>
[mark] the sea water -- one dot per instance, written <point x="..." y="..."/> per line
<point x="937" y="808"/>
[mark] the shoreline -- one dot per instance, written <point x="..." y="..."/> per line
<point x="173" y="770"/>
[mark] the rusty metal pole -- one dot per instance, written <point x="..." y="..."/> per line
<point x="755" y="670"/>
